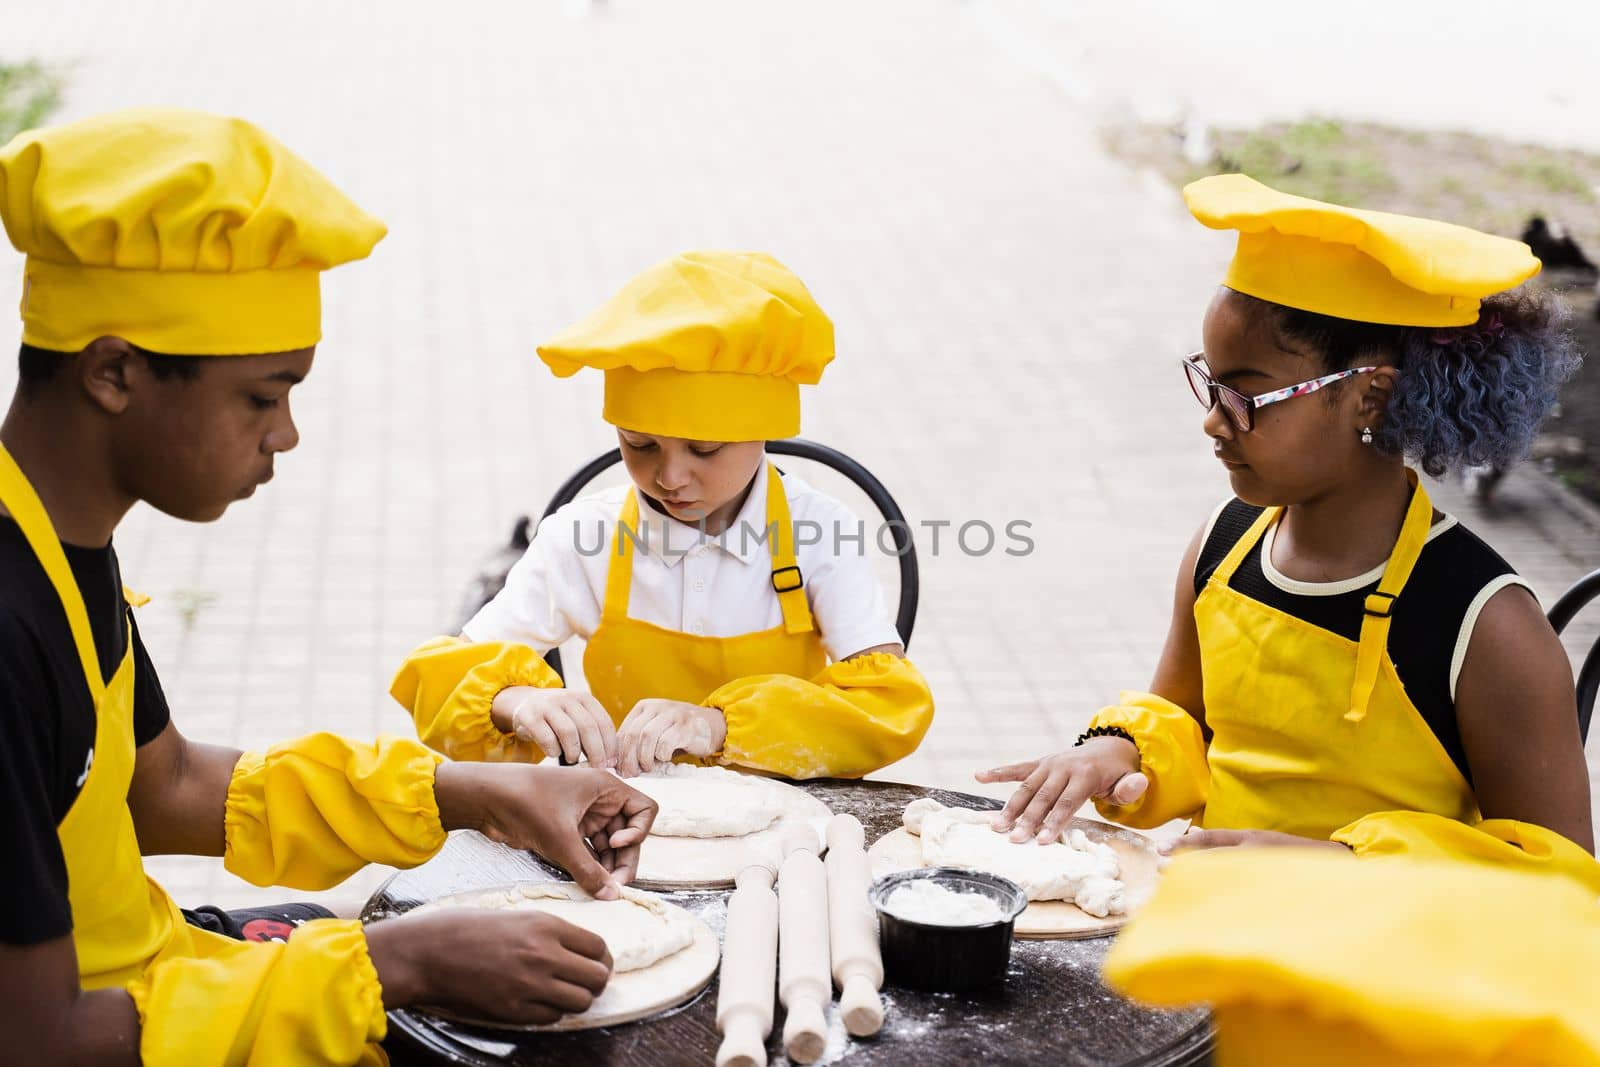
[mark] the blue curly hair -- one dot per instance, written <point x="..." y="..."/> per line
<point x="1466" y="396"/>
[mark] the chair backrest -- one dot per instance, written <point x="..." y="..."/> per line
<point x="904" y="546"/>
<point x="1572" y="601"/>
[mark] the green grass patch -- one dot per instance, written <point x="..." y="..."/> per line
<point x="28" y="93"/>
<point x="1484" y="182"/>
<point x="1554" y="176"/>
<point x="1314" y="158"/>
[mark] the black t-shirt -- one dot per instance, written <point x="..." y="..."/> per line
<point x="47" y="721"/>
<point x="1455" y="565"/>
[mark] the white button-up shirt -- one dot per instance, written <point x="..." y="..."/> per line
<point x="708" y="586"/>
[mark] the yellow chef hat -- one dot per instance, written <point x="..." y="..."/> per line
<point x="1316" y="959"/>
<point x="1364" y="265"/>
<point x="181" y="232"/>
<point x="709" y="346"/>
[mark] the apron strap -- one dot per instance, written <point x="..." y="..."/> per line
<point x="19" y="498"/>
<point x="619" y="574"/>
<point x="787" y="581"/>
<point x="1375" y="622"/>
<point x="1241" y="548"/>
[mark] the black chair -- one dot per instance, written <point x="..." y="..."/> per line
<point x="905" y="548"/>
<point x="1571" y="602"/>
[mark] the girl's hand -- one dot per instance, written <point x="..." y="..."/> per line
<point x="1195" y="839"/>
<point x="657" y="730"/>
<point x="564" y="724"/>
<point x="1056" y="786"/>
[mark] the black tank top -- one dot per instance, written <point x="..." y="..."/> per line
<point x="1455" y="566"/>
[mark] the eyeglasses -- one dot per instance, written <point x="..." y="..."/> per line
<point x="1241" y="409"/>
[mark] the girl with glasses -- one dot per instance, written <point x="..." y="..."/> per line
<point x="1346" y="666"/>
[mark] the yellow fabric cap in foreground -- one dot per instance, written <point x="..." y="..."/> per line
<point x="1316" y="959"/>
<point x="1370" y="266"/>
<point x="181" y="232"/>
<point x="1506" y="843"/>
<point x="709" y="346"/>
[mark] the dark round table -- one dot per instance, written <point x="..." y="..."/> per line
<point x="1052" y="1008"/>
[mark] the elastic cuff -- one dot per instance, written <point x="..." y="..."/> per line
<point x="366" y="977"/>
<point x="476" y="695"/>
<point x="428" y="807"/>
<point x="243" y="808"/>
<point x="1105" y="731"/>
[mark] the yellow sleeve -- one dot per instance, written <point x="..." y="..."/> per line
<point x="1503" y="843"/>
<point x="314" y="999"/>
<point x="310" y="812"/>
<point x="1172" y="754"/>
<point x="849" y="720"/>
<point x="449" y="685"/>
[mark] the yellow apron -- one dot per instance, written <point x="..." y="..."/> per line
<point x="1311" y="731"/>
<point x="628" y="660"/>
<point x="121" y="920"/>
<point x="201" y="997"/>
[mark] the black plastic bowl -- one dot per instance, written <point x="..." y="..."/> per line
<point x="947" y="959"/>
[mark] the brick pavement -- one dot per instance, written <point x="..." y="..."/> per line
<point x="992" y="274"/>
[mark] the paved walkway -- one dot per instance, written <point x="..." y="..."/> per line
<point x="1010" y="305"/>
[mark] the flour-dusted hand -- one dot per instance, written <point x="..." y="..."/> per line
<point x="589" y="822"/>
<point x="657" y="730"/>
<point x="563" y="723"/>
<point x="1054" y="787"/>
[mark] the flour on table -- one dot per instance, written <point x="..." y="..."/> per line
<point x="1075" y="868"/>
<point x="639" y="930"/>
<point x="709" y="801"/>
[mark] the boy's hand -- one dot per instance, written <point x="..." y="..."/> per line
<point x="563" y="723"/>
<point x="589" y="822"/>
<point x="515" y="967"/>
<point x="1056" y="786"/>
<point x="657" y="730"/>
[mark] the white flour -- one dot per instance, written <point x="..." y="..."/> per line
<point x="924" y="901"/>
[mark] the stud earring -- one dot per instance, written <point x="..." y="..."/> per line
<point x="1366" y="435"/>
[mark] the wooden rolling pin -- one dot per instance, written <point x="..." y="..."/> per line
<point x="803" y="982"/>
<point x="749" y="969"/>
<point x="853" y="928"/>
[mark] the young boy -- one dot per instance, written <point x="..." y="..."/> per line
<point x="713" y="630"/>
<point x="170" y="305"/>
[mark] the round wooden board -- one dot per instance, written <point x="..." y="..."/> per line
<point x="629" y="996"/>
<point x="1046" y="920"/>
<point x="676" y="863"/>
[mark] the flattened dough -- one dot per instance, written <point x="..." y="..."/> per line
<point x="661" y="955"/>
<point x="709" y="801"/>
<point x="678" y="862"/>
